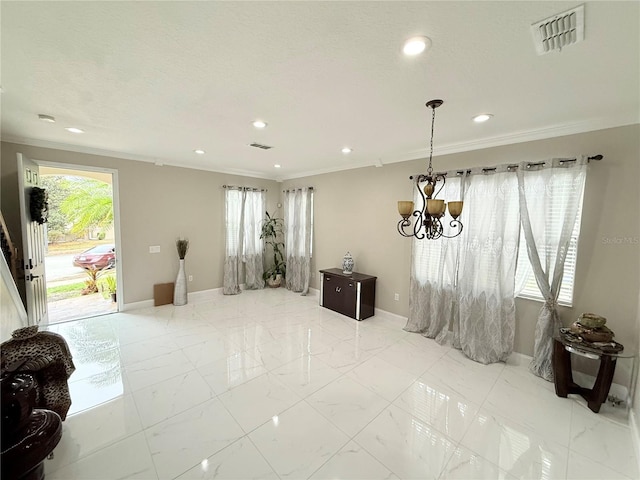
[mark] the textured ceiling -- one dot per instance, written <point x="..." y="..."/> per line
<point x="155" y="80"/>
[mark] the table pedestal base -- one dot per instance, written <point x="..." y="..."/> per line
<point x="563" y="378"/>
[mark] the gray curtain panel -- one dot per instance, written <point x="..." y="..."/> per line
<point x="559" y="188"/>
<point x="244" y="248"/>
<point x="298" y="206"/>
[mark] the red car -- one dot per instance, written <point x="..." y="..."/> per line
<point x="99" y="257"/>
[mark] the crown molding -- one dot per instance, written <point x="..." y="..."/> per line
<point x="552" y="131"/>
<point x="128" y="156"/>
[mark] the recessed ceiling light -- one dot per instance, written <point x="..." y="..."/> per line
<point x="416" y="45"/>
<point x="259" y="124"/>
<point x="277" y="166"/>
<point x="199" y="151"/>
<point x="46" y="118"/>
<point x="346" y="150"/>
<point x="482" y="117"/>
<point x="74" y="130"/>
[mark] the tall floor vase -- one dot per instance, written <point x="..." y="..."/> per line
<point x="180" y="289"/>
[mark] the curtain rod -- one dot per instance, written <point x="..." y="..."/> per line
<point x="249" y="189"/>
<point x="512" y="167"/>
<point x="296" y="189"/>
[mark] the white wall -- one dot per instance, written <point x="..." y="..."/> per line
<point x="157" y="205"/>
<point x="355" y="210"/>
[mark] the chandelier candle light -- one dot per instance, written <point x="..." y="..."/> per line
<point x="428" y="222"/>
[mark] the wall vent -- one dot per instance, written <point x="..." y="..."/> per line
<point x="259" y="145"/>
<point x="559" y="31"/>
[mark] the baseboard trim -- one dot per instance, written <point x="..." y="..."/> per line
<point x="203" y="295"/>
<point x="136" y="305"/>
<point x="394" y="318"/>
<point x="195" y="297"/>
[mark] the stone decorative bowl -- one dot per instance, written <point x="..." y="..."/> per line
<point x="597" y="334"/>
<point x="591" y="320"/>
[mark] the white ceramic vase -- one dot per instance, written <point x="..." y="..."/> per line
<point x="347" y="264"/>
<point x="180" y="288"/>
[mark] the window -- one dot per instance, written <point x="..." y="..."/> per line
<point x="561" y="191"/>
<point x="296" y="212"/>
<point x="246" y="208"/>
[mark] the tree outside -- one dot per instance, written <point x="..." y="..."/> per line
<point x="58" y="224"/>
<point x="88" y="206"/>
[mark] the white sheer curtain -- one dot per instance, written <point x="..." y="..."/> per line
<point x="551" y="193"/>
<point x="243" y="214"/>
<point x="432" y="297"/>
<point x="233" y="243"/>
<point x="254" y="208"/>
<point x="488" y="254"/>
<point x="466" y="284"/>
<point x="298" y="206"/>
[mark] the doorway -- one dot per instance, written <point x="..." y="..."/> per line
<point x="81" y="242"/>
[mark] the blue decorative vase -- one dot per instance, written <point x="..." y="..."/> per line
<point x="347" y="264"/>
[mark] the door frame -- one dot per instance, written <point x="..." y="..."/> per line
<point x="116" y="214"/>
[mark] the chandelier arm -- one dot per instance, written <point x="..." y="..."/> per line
<point x="401" y="226"/>
<point x="417" y="226"/>
<point x="436" y="177"/>
<point x="454" y="224"/>
<point x="420" y="212"/>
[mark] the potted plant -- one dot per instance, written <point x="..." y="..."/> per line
<point x="271" y="231"/>
<point x="109" y="286"/>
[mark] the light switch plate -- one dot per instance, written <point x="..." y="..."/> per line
<point x="154" y="249"/>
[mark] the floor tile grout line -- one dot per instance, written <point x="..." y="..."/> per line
<point x="262" y="455"/>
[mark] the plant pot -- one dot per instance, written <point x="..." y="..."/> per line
<point x="113" y="297"/>
<point x="274" y="282"/>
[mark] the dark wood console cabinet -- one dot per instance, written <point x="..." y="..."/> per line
<point x="353" y="295"/>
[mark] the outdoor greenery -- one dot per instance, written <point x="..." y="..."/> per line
<point x="271" y="232"/>
<point x="61" y="292"/>
<point x="89" y="205"/>
<point x="91" y="283"/>
<point x="77" y="205"/>
<point x="108" y="285"/>
<point x="58" y="189"/>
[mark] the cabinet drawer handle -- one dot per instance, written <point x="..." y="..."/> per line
<point x="338" y="289"/>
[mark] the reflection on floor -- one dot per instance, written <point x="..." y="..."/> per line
<point x="267" y="384"/>
<point x="79" y="307"/>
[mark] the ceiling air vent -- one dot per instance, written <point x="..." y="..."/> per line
<point x="259" y="145"/>
<point x="559" y="31"/>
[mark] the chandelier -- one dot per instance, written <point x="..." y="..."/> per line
<point x="429" y="216"/>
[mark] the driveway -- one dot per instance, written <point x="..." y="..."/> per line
<point x="59" y="268"/>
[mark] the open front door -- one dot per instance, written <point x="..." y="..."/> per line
<point x="33" y="243"/>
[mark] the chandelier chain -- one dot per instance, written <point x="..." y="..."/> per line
<point x="433" y="122"/>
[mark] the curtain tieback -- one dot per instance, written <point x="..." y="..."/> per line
<point x="551" y="304"/>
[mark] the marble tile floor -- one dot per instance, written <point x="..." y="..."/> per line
<point x="268" y="385"/>
<point x="80" y="307"/>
